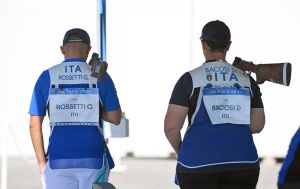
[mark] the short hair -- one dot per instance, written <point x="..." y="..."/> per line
<point x="217" y="43"/>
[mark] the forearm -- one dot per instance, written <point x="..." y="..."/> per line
<point x="173" y="124"/>
<point x="257" y="121"/>
<point x="37" y="139"/>
<point x="174" y="138"/>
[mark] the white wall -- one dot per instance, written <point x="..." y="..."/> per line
<point x="151" y="43"/>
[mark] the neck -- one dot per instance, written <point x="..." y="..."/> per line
<point x="74" y="50"/>
<point x="215" y="55"/>
<point x="71" y="56"/>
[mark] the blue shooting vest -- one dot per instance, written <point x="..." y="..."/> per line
<point x="218" y="131"/>
<point x="74" y="113"/>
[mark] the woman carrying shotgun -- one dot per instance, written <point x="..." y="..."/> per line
<point x="224" y="108"/>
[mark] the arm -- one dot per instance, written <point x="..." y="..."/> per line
<point x="111" y="110"/>
<point x="113" y="117"/>
<point x="257" y="114"/>
<point x="257" y="120"/>
<point x="174" y="121"/>
<point x="36" y="134"/>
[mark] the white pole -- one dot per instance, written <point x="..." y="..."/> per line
<point x="192" y="17"/>
<point x="4" y="156"/>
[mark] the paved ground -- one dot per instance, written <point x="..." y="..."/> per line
<point x="133" y="174"/>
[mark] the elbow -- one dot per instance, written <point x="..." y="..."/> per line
<point x="32" y="127"/>
<point x="257" y="128"/>
<point x="258" y="120"/>
<point x="117" y="121"/>
<point x="169" y="130"/>
<point x="35" y="124"/>
<point x="166" y="130"/>
<point x="113" y="117"/>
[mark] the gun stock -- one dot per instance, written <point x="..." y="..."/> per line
<point x="279" y="73"/>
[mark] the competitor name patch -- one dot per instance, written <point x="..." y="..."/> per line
<point x="74" y="106"/>
<point x="227" y="105"/>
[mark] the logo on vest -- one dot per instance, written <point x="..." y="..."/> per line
<point x="209" y="77"/>
<point x="221" y="73"/>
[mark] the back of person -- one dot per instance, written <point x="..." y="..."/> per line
<point x="218" y="131"/>
<point x="224" y="107"/>
<point x="75" y="140"/>
<point x="76" y="102"/>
